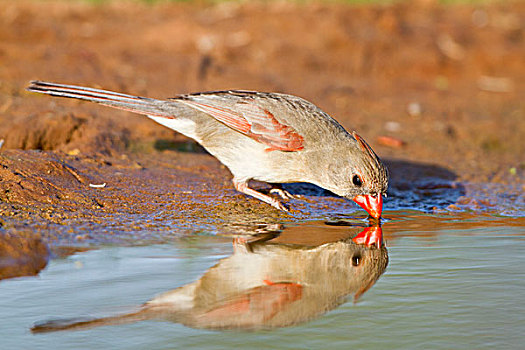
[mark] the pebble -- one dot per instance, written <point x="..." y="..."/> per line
<point x="390" y="141"/>
<point x="414" y="109"/>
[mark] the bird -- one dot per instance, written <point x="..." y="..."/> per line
<point x="265" y="284"/>
<point x="265" y="136"/>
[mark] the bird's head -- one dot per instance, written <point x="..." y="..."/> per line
<point x="366" y="178"/>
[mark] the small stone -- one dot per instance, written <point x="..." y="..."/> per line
<point x="414" y="109"/>
<point x="495" y="84"/>
<point x="392" y="126"/>
<point x="480" y="18"/>
<point x="390" y="141"/>
<point x="450" y="47"/>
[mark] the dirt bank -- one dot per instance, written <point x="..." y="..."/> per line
<point x="438" y="91"/>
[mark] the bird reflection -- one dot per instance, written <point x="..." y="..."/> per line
<point x="269" y="282"/>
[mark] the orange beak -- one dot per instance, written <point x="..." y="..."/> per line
<point x="373" y="205"/>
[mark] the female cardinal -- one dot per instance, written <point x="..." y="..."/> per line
<point x="270" y="137"/>
<point x="263" y="285"/>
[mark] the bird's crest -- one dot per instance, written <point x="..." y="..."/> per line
<point x="380" y="181"/>
<point x="365" y="147"/>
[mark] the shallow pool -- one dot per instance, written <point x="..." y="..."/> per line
<point x="452" y="281"/>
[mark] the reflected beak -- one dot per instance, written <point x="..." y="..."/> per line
<point x="370" y="236"/>
<point x="373" y="205"/>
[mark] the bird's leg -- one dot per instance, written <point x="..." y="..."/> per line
<point x="242" y="186"/>
<point x="245" y="245"/>
<point x="281" y="192"/>
<point x="240" y="244"/>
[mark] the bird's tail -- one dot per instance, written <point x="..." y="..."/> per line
<point x="137" y="104"/>
<point x="75" y="324"/>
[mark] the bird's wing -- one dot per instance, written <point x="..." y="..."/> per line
<point x="250" y="119"/>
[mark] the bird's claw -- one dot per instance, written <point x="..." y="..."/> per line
<point x="277" y="204"/>
<point x="282" y="193"/>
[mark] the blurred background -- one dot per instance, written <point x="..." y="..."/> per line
<point x="424" y="80"/>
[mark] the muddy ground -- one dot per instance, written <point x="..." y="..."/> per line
<point x="437" y="90"/>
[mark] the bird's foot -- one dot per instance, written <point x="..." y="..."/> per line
<point x="282" y="193"/>
<point x="239" y="241"/>
<point x="279" y="205"/>
<point x="242" y="186"/>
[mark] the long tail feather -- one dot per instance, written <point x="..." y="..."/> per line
<point x="71" y="324"/>
<point x="137" y="104"/>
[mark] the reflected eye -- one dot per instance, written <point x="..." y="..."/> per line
<point x="356" y="260"/>
<point x="357" y="181"/>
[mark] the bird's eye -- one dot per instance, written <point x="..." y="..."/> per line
<point x="357" y="181"/>
<point x="356" y="260"/>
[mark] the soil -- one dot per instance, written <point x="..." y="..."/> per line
<point x="437" y="90"/>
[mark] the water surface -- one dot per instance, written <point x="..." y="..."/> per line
<point x="452" y="282"/>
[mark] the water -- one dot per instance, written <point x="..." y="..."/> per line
<point x="453" y="281"/>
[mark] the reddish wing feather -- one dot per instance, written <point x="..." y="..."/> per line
<point x="257" y="123"/>
<point x="230" y="118"/>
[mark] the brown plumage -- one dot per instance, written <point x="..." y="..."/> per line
<point x="270" y="137"/>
